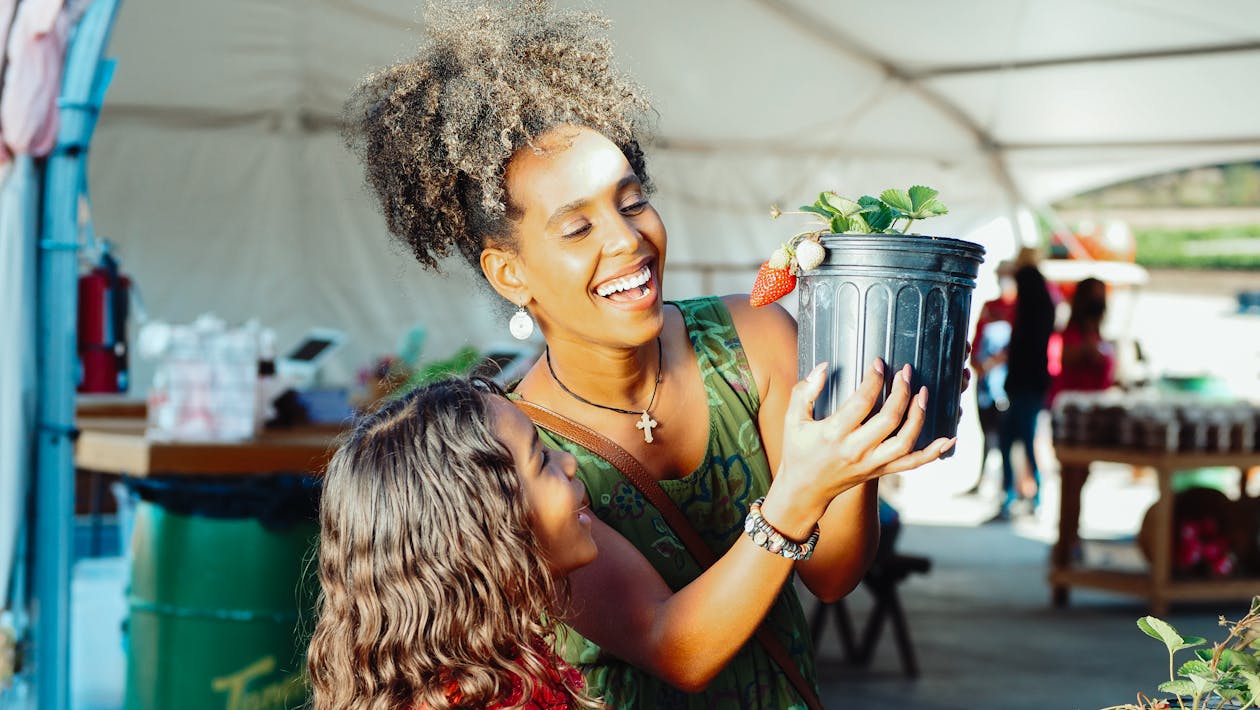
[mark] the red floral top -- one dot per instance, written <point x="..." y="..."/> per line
<point x="549" y="692"/>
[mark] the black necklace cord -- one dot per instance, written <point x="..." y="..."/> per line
<point x="660" y="369"/>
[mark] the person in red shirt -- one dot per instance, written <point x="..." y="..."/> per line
<point x="988" y="360"/>
<point x="1088" y="361"/>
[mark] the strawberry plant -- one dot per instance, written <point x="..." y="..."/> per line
<point x="891" y="213"/>
<point x="1230" y="670"/>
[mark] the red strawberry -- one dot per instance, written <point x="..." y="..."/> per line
<point x="771" y="285"/>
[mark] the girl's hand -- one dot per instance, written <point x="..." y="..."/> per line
<point x="824" y="458"/>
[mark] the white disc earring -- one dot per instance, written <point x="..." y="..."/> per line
<point x="521" y="326"/>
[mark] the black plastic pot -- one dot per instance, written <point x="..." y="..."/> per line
<point x="905" y="299"/>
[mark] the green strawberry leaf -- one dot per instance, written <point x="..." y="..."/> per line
<point x="1194" y="668"/>
<point x="824" y="213"/>
<point x="880" y="221"/>
<point x="1253" y="684"/>
<point x="1237" y="659"/>
<point x="1232" y="686"/>
<point x="1202" y="685"/>
<point x="858" y="225"/>
<point x="920" y="196"/>
<point x="1162" y="630"/>
<point x="1177" y="687"/>
<point x="877" y="214"/>
<point x="1198" y="685"/>
<point x="1191" y="642"/>
<point x="931" y="208"/>
<point x="838" y="204"/>
<point x="840" y="224"/>
<point x="899" y="201"/>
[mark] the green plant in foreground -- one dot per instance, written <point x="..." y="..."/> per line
<point x="8" y="651"/>
<point x="891" y="213"/>
<point x="1230" y="670"/>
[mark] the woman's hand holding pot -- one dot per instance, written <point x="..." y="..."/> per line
<point x="823" y="458"/>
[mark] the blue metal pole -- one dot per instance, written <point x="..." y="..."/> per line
<point x="82" y="91"/>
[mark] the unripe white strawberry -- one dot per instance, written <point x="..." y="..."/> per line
<point x="809" y="254"/>
<point x="780" y="258"/>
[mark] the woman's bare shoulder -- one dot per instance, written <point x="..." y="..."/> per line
<point x="768" y="334"/>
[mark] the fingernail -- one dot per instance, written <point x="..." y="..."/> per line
<point x="921" y="399"/>
<point x="815" y="373"/>
<point x="878" y="366"/>
<point x="905" y="373"/>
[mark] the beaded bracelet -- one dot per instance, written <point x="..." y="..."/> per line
<point x="765" y="536"/>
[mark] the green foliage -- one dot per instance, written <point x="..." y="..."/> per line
<point x="1200" y="248"/>
<point x="891" y="213"/>
<point x="8" y="653"/>
<point x="458" y="364"/>
<point x="1163" y="631"/>
<point x="1230" y="670"/>
<point x="1236" y="185"/>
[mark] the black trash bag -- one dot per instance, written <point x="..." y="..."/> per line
<point x="276" y="501"/>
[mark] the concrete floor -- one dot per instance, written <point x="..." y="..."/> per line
<point x="983" y="628"/>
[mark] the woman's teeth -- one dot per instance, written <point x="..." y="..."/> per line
<point x="625" y="283"/>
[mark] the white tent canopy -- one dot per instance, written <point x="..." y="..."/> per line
<point x="218" y="170"/>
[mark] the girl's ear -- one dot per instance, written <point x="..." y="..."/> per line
<point x="502" y="268"/>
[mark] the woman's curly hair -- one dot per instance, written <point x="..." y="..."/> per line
<point x="435" y="132"/>
<point x="434" y="591"/>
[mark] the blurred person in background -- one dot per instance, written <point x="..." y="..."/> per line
<point x="1027" y="376"/>
<point x="1088" y="361"/>
<point x="988" y="360"/>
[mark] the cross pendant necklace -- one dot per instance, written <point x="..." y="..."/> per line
<point x="646" y="422"/>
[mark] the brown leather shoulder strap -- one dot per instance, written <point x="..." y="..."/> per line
<point x="629" y="467"/>
<point x="639" y="477"/>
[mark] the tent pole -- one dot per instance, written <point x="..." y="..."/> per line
<point x="82" y="91"/>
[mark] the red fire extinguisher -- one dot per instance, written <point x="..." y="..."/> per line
<point x="103" y="302"/>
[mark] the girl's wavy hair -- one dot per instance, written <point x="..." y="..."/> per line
<point x="435" y="132"/>
<point x="435" y="592"/>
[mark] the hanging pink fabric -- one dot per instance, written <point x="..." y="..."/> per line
<point x="6" y="21"/>
<point x="32" y="80"/>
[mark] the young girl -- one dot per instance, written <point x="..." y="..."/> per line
<point x="446" y="530"/>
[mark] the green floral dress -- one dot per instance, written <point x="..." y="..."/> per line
<point x="715" y="497"/>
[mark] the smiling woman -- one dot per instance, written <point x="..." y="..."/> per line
<point x="511" y="140"/>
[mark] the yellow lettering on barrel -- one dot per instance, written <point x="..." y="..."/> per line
<point x="234" y="684"/>
<point x="272" y="695"/>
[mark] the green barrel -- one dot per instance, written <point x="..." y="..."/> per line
<point x="220" y="612"/>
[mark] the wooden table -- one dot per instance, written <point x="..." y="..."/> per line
<point x="110" y="406"/>
<point x="1158" y="585"/>
<point x="119" y="446"/>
